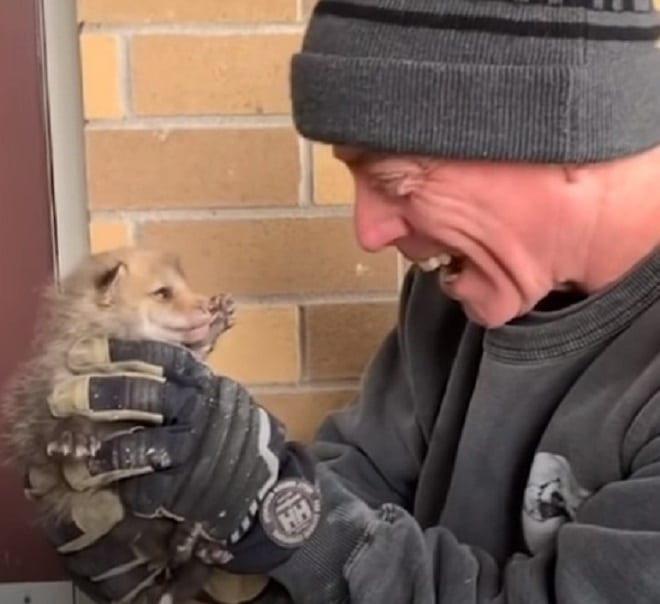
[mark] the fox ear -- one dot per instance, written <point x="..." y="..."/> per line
<point x="106" y="280"/>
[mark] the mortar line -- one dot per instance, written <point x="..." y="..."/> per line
<point x="196" y="28"/>
<point x="134" y="231"/>
<point x="192" y="214"/>
<point x="303" y="338"/>
<point x="306" y="387"/>
<point x="194" y="122"/>
<point x="125" y="79"/>
<point x="302" y="343"/>
<point x="310" y="299"/>
<point x="306" y="185"/>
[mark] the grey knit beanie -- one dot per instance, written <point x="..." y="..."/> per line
<point x="530" y="80"/>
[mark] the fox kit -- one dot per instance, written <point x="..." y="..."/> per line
<point x="129" y="293"/>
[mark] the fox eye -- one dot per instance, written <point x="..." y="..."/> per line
<point x="163" y="293"/>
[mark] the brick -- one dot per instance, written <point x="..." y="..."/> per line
<point x="201" y="75"/>
<point x="99" y="64"/>
<point x="262" y="347"/>
<point x="307" y="7"/>
<point x="131" y="169"/>
<point x="275" y="256"/>
<point x="109" y="234"/>
<point x="333" y="183"/>
<point x="303" y="411"/>
<point x="174" y="11"/>
<point x="341" y="338"/>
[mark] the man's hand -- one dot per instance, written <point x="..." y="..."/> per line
<point x="202" y="452"/>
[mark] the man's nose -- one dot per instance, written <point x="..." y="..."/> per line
<point x="378" y="220"/>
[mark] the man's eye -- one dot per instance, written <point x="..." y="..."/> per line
<point x="388" y="184"/>
<point x="163" y="293"/>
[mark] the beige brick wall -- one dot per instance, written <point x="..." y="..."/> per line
<point x="190" y="146"/>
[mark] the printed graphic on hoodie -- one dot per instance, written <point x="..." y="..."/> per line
<point x="552" y="497"/>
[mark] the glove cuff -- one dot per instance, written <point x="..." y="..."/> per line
<point x="318" y="566"/>
<point x="288" y="516"/>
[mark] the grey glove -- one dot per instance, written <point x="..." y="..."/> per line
<point x="207" y="454"/>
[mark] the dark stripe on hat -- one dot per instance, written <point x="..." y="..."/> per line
<point x="492" y="25"/>
<point x="616" y="6"/>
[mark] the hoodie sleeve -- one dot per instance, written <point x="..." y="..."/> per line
<point x="608" y="554"/>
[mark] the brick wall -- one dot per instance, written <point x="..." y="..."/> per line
<point x="190" y="146"/>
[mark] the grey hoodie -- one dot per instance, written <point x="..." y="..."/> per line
<point x="516" y="465"/>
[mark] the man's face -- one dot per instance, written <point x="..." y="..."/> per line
<point x="492" y="230"/>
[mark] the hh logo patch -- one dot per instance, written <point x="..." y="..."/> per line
<point x="291" y="512"/>
<point x="552" y="497"/>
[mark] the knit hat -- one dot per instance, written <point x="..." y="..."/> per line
<point x="530" y="80"/>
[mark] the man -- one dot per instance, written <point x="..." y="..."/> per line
<point x="505" y="443"/>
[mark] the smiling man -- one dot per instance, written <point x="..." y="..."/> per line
<point x="504" y="235"/>
<point x="505" y="444"/>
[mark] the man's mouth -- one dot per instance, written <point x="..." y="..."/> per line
<point x="449" y="266"/>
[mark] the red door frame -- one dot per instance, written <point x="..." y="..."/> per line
<point x="26" y="253"/>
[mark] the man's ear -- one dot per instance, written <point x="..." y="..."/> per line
<point x="106" y="281"/>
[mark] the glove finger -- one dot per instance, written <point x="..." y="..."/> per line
<point x="152" y="357"/>
<point x="250" y="481"/>
<point x="223" y="447"/>
<point x="114" y="567"/>
<point x="92" y="515"/>
<point x="236" y="462"/>
<point x="124" y="397"/>
<point x="135" y="453"/>
<point x="121" y="588"/>
<point x="105" y="567"/>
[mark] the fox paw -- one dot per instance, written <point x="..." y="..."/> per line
<point x="224" y="307"/>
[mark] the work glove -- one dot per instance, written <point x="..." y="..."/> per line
<point x="205" y="453"/>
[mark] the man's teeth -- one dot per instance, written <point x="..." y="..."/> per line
<point x="450" y="266"/>
<point x="447" y="275"/>
<point x="434" y="262"/>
